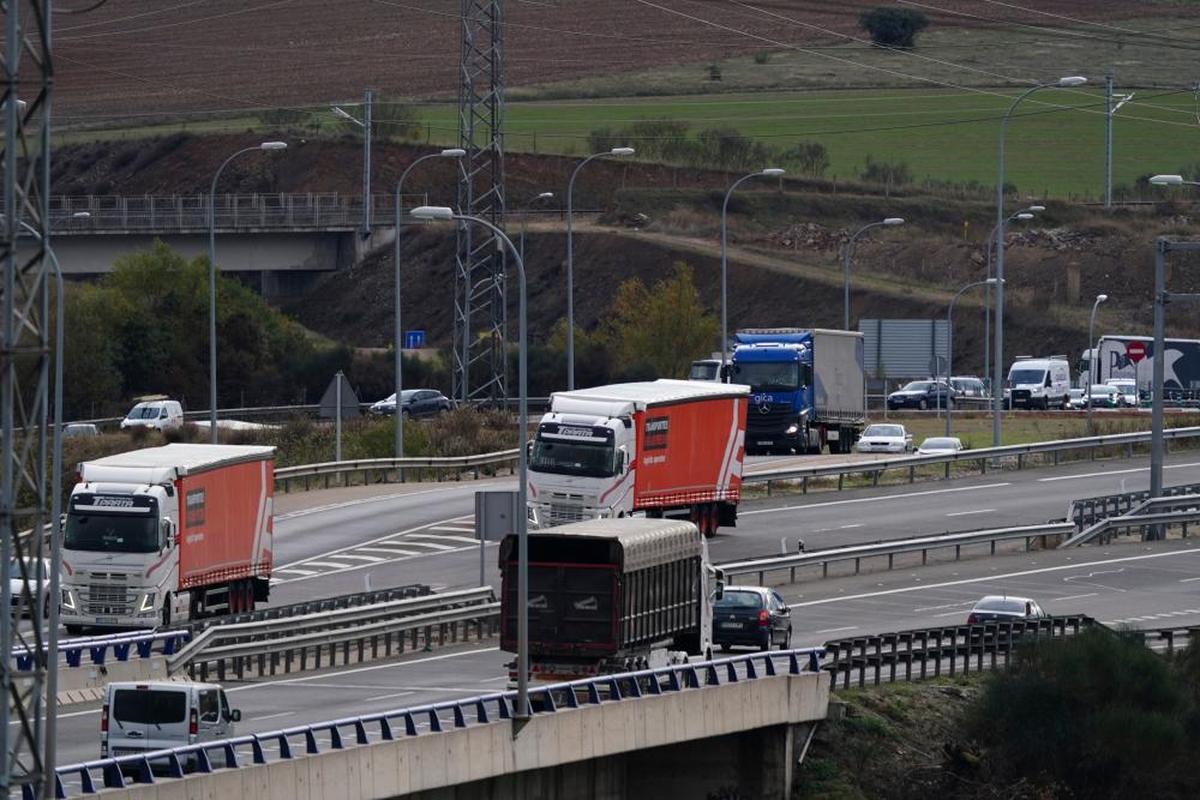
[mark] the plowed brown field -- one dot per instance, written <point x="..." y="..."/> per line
<point x="139" y="60"/>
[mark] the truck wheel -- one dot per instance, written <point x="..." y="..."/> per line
<point x="74" y="630"/>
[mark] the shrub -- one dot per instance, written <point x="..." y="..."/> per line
<point x="886" y="173"/>
<point x="714" y="72"/>
<point x="893" y="27"/>
<point x="762" y="58"/>
<point x="283" y="117"/>
<point x="809" y="158"/>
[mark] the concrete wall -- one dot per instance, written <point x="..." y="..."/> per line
<point x="746" y="728"/>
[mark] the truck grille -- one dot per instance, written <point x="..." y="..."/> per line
<point x="107" y="598"/>
<point x="561" y="514"/>
<point x="773" y="420"/>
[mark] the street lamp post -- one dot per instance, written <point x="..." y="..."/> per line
<point x="398" y="343"/>
<point x="998" y="361"/>
<point x="212" y="283"/>
<point x="539" y="198"/>
<point x="769" y="172"/>
<point x="1100" y="298"/>
<point x="1021" y="216"/>
<point x="950" y="341"/>
<point x="365" y="124"/>
<point x="847" y="254"/>
<point x="521" y="713"/>
<point x="616" y="151"/>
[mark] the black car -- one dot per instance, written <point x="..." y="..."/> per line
<point x="413" y="403"/>
<point x="1002" y="608"/>
<point x="918" y="394"/>
<point x="753" y="616"/>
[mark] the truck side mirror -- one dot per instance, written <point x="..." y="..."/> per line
<point x="165" y="539"/>
<point x="719" y="592"/>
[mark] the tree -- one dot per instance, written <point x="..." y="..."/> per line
<point x="893" y="27"/>
<point x="658" y="332"/>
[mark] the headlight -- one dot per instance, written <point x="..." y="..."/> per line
<point x="792" y="429"/>
<point x="68" y="600"/>
<point x="147" y="602"/>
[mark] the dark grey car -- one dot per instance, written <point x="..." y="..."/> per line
<point x="754" y="616"/>
<point x="1002" y="608"/>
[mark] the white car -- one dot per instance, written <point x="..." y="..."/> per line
<point x="1128" y="391"/>
<point x="940" y="446"/>
<point x="1077" y="399"/>
<point x="158" y="415"/>
<point x="885" y="438"/>
<point x="16" y="584"/>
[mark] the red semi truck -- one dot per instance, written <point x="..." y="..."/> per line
<point x="661" y="447"/>
<point x="168" y="533"/>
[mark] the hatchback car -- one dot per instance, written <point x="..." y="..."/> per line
<point x="74" y="430"/>
<point x="26" y="569"/>
<point x="1104" y="396"/>
<point x="883" y="438"/>
<point x="1127" y="390"/>
<point x="940" y="446"/>
<point x="754" y="616"/>
<point x="918" y="394"/>
<point x="1076" y="400"/>
<point x="413" y="403"/>
<point x="1002" y="608"/>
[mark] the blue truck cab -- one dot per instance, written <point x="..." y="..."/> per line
<point x="806" y="388"/>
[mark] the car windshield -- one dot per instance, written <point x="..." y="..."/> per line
<point x="112" y="533"/>
<point x="736" y="599"/>
<point x="1007" y="604"/>
<point x="149" y="707"/>
<point x="14" y="568"/>
<point x="778" y="376"/>
<point x="589" y="459"/>
<point x="918" y="386"/>
<point x="1023" y="376"/>
<point x="703" y="371"/>
<point x="939" y="444"/>
<point x="1103" y="389"/>
<point x="884" y="430"/>
<point x="143" y="411"/>
<point x="1077" y="393"/>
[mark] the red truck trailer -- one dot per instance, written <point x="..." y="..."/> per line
<point x="166" y="533"/>
<point x="661" y="447"/>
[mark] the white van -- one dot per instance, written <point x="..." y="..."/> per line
<point x="1039" y="382"/>
<point x="156" y="715"/>
<point x="160" y="415"/>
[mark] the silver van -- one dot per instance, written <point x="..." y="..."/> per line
<point x="157" y="715"/>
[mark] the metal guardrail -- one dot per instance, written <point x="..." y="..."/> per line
<point x="121" y="772"/>
<point x="121" y="647"/>
<point x="891" y="548"/>
<point x="273" y="644"/>
<point x="1090" y="510"/>
<point x="1147" y="514"/>
<point x="926" y="653"/>
<point x="1019" y="452"/>
<point x="382" y="468"/>
<point x="316" y="606"/>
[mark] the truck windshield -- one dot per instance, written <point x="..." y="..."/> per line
<point x="592" y="460"/>
<point x="779" y="376"/>
<point x="113" y="533"/>
<point x="1026" y="376"/>
<point x="703" y="371"/>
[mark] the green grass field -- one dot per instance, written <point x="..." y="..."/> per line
<point x="1055" y="143"/>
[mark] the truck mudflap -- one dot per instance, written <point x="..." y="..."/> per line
<point x="727" y="514"/>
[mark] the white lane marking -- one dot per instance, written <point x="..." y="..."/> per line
<point x="968" y="513"/>
<point x="453" y="529"/>
<point x="326" y="564"/>
<point x="376" y="540"/>
<point x="431" y="545"/>
<point x="495" y="680"/>
<point x="835" y="630"/>
<point x="297" y="571"/>
<point x="467" y="539"/>
<point x="66" y="716"/>
<point x="273" y="716"/>
<point x="948" y="614"/>
<point x="1188" y="580"/>
<point x="370" y="559"/>
<point x="389" y="550"/>
<point x="388" y="696"/>
<point x="874" y="499"/>
<point x="990" y="578"/>
<point x="407" y="556"/>
<point x="848" y="527"/>
<point x="373" y="668"/>
<point x="944" y="606"/>
<point x="1075" y="597"/>
<point x="1113" y="472"/>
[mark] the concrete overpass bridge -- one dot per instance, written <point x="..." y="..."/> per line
<point x="275" y="242"/>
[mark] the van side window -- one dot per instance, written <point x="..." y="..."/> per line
<point x="224" y="707"/>
<point x="209" y="706"/>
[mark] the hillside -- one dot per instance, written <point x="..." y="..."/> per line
<point x="784" y="248"/>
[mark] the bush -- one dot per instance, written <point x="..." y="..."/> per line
<point x="762" y="58"/>
<point x="886" y="173"/>
<point x="809" y="158"/>
<point x="1099" y="714"/>
<point x="283" y="117"/>
<point x="893" y="27"/>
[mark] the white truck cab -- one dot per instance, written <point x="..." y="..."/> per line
<point x="1039" y="382"/>
<point x="157" y="715"/>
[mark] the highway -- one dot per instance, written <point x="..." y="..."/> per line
<point x="423" y="534"/>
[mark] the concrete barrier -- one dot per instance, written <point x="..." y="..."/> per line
<point x="86" y="683"/>
<point x="604" y="751"/>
